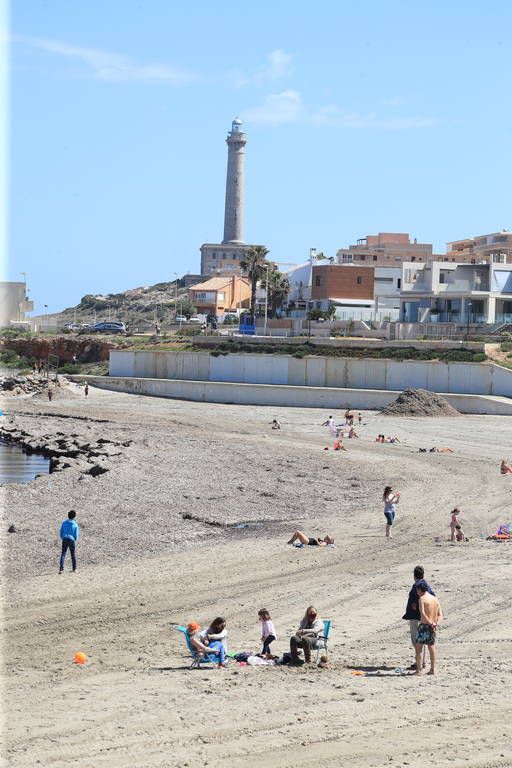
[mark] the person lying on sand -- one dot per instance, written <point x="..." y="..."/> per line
<point x="505" y="468"/>
<point x="309" y="541"/>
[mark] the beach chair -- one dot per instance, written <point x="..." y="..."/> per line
<point x="197" y="661"/>
<point x="323" y="639"/>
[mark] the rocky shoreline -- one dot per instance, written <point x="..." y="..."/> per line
<point x="66" y="451"/>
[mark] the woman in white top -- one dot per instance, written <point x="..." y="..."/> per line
<point x="390" y="499"/>
<point x="216" y="632"/>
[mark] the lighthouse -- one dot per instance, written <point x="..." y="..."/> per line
<point x="234" y="205"/>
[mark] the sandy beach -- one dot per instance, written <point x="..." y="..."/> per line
<point x="163" y="540"/>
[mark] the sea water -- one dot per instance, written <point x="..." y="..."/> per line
<point x="18" y="467"/>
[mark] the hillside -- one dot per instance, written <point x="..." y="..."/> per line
<point x="136" y="307"/>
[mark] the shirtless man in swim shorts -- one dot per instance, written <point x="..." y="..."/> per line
<point x="430" y="616"/>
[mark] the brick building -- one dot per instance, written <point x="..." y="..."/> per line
<point x="348" y="287"/>
<point x="385" y="248"/>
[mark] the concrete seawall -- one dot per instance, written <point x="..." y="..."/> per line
<point x="315" y="371"/>
<point x="284" y="395"/>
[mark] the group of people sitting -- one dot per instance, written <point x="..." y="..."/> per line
<point x="384" y="439"/>
<point x="210" y="645"/>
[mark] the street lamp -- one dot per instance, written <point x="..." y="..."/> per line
<point x="176" y="298"/>
<point x="469" y="306"/>
<point x="266" y="301"/>
<point x="44" y="314"/>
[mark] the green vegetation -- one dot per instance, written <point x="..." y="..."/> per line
<point x="11" y="359"/>
<point x="300" y="351"/>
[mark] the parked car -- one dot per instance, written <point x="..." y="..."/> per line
<point x="108" y="327"/>
<point x="180" y="319"/>
<point x="195" y="320"/>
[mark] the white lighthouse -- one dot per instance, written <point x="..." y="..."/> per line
<point x="224" y="258"/>
<point x="234" y="206"/>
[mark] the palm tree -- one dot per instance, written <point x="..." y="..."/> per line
<point x="253" y="264"/>
<point x="278" y="289"/>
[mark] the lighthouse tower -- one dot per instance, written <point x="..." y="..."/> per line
<point x="224" y="258"/>
<point x="234" y="206"/>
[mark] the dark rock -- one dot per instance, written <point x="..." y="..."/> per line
<point x="11" y="528"/>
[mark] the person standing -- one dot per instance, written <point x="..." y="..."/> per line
<point x="412" y="610"/>
<point x="86" y="390"/>
<point x="268" y="633"/>
<point x="454" y="523"/>
<point x="430" y="617"/>
<point x="390" y="499"/>
<point x="50" y="394"/>
<point x="69" y="536"/>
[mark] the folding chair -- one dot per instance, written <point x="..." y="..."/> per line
<point x="322" y="640"/>
<point x="197" y="660"/>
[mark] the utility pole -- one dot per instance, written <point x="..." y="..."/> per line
<point x="266" y="302"/>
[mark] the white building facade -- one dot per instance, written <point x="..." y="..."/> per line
<point x="456" y="293"/>
<point x="14" y="304"/>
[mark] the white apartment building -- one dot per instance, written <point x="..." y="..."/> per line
<point x="14" y="303"/>
<point x="458" y="293"/>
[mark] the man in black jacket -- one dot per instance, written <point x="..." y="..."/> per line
<point x="412" y="611"/>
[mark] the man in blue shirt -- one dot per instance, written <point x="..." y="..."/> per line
<point x="69" y="536"/>
<point x="412" y="611"/>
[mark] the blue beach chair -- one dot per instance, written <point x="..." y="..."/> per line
<point x="323" y="639"/>
<point x="197" y="661"/>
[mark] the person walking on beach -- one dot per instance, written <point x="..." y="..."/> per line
<point x="390" y="499"/>
<point x="50" y="394"/>
<point x="69" y="535"/>
<point x="86" y="390"/>
<point x="412" y="610"/>
<point x="430" y="617"/>
<point x="330" y="423"/>
<point x="268" y="633"/>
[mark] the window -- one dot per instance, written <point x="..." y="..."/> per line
<point x="363" y="257"/>
<point x="399" y="283"/>
<point x="383" y="279"/>
<point x="214" y="255"/>
<point x="234" y="255"/>
<point x="359" y="280"/>
<point x="318" y="281"/>
<point x="375" y="258"/>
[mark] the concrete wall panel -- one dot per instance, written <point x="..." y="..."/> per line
<point x="314" y="371"/>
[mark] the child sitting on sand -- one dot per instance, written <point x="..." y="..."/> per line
<point x="459" y="535"/>
<point x="268" y="633"/>
<point x="505" y="468"/>
<point x="275" y="424"/>
<point x="352" y="433"/>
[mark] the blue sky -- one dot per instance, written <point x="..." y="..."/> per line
<point x="366" y="117"/>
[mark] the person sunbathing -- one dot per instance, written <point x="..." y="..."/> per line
<point x="505" y="468"/>
<point x="310" y="541"/>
